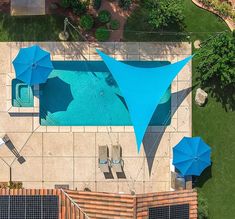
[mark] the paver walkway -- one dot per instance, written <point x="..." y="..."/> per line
<point x="117" y="14"/>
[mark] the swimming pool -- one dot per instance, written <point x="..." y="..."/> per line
<point x="84" y="93"/>
<point x="22" y="94"/>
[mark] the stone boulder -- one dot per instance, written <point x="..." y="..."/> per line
<point x="197" y="44"/>
<point x="201" y="97"/>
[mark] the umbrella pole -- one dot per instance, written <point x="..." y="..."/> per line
<point x="65" y="24"/>
<point x="64" y="35"/>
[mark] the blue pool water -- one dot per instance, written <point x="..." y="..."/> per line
<point x="22" y="94"/>
<point x="80" y="93"/>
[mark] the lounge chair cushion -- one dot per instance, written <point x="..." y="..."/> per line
<point x="1" y="142"/>
<point x="116" y="161"/>
<point x="103" y="161"/>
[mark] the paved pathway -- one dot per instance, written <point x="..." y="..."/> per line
<point x="118" y="14"/>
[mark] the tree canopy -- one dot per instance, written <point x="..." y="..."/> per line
<point x="162" y="13"/>
<point x="216" y="67"/>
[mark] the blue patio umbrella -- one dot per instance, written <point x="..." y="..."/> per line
<point x="32" y="65"/>
<point x="191" y="156"/>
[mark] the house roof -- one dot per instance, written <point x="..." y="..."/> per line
<point x="109" y="205"/>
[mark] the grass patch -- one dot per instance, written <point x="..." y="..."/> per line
<point x="199" y="24"/>
<point x="31" y="28"/>
<point x="216" y="127"/>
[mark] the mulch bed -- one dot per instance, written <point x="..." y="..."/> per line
<point x="5" y="7"/>
<point x="74" y="19"/>
<point x="59" y="10"/>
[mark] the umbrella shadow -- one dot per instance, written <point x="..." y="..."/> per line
<point x="57" y="98"/>
<point x="152" y="140"/>
<point x="204" y="177"/>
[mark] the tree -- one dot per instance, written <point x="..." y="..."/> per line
<point x="79" y="7"/>
<point x="162" y="13"/>
<point x="104" y="16"/>
<point x="87" y="22"/>
<point x="102" y="34"/>
<point x="97" y="4"/>
<point x="65" y="3"/>
<point x="203" y="212"/>
<point x="216" y="68"/>
<point x="125" y="4"/>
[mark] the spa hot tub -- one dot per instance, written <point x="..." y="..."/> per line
<point x="22" y="94"/>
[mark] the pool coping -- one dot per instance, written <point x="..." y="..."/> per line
<point x="67" y="51"/>
<point x="181" y="124"/>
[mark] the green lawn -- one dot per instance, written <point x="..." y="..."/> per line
<point x="31" y="28"/>
<point x="198" y="21"/>
<point x="212" y="122"/>
<point x="217" y="128"/>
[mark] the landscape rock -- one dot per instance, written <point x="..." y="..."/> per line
<point x="197" y="44"/>
<point x="201" y="97"/>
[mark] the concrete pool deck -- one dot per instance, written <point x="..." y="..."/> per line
<point x="69" y="155"/>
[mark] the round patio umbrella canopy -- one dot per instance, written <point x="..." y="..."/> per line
<point x="32" y="65"/>
<point x="191" y="156"/>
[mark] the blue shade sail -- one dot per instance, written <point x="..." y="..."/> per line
<point x="191" y="156"/>
<point x="32" y="65"/>
<point x="142" y="88"/>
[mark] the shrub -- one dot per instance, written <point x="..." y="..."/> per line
<point x="102" y="34"/>
<point x="202" y="207"/>
<point x="125" y="4"/>
<point x="96" y="4"/>
<point x="222" y="7"/>
<point x="162" y="13"/>
<point x="87" y="22"/>
<point x="216" y="68"/>
<point x="114" y="24"/>
<point x="65" y="3"/>
<point x="233" y="15"/>
<point x="104" y="16"/>
<point x="78" y="7"/>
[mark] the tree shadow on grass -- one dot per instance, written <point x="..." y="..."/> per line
<point x="225" y="96"/>
<point x="137" y="28"/>
<point x="31" y="28"/>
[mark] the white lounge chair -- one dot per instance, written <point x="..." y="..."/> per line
<point x="117" y="162"/>
<point x="4" y="140"/>
<point x="104" y="162"/>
